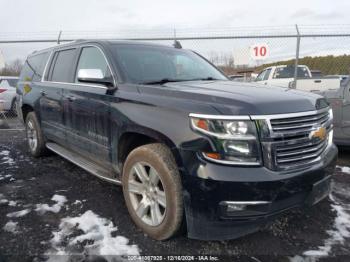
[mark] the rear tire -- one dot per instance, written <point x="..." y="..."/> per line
<point x="152" y="190"/>
<point x="35" y="138"/>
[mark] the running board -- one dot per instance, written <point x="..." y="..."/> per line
<point x="82" y="163"/>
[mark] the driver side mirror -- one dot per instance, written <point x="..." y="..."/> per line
<point x="94" y="76"/>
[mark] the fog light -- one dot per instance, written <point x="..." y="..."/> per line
<point x="233" y="207"/>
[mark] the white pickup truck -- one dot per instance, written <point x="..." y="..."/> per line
<point x="283" y="76"/>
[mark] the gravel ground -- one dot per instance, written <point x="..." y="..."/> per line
<point x="29" y="185"/>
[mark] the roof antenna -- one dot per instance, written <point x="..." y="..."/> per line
<point x="59" y="37"/>
<point x="176" y="44"/>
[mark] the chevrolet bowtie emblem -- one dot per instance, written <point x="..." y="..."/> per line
<point x="320" y="133"/>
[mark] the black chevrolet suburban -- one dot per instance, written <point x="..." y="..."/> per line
<point x="191" y="149"/>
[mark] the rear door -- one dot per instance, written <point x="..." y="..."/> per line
<point x="59" y="75"/>
<point x="86" y="109"/>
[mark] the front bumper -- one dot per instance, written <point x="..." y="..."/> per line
<point x="207" y="186"/>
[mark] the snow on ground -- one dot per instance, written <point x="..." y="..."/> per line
<point x="11" y="227"/>
<point x="5" y="158"/>
<point x="344" y="169"/>
<point x="341" y="226"/>
<point x="43" y="208"/>
<point x="19" y="213"/>
<point x="96" y="235"/>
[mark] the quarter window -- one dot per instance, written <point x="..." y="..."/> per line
<point x="34" y="67"/>
<point x="62" y="70"/>
<point x="92" y="58"/>
<point x="267" y="74"/>
<point x="260" y="77"/>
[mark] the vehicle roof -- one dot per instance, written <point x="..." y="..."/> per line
<point x="8" y="77"/>
<point x="99" y="41"/>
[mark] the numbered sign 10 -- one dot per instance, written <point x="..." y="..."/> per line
<point x="259" y="51"/>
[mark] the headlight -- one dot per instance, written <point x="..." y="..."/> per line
<point x="235" y="141"/>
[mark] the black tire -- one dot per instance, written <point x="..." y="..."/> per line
<point x="13" y="110"/>
<point x="32" y="123"/>
<point x="160" y="158"/>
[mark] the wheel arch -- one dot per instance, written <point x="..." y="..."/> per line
<point x="133" y="138"/>
<point x="26" y="108"/>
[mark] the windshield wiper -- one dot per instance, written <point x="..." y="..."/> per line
<point x="208" y="78"/>
<point x="163" y="81"/>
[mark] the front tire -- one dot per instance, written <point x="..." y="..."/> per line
<point x="152" y="190"/>
<point x="35" y="138"/>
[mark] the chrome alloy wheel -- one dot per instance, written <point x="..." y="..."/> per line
<point x="147" y="194"/>
<point x="32" y="136"/>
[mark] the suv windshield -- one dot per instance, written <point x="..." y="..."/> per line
<point x="151" y="65"/>
<point x="288" y="72"/>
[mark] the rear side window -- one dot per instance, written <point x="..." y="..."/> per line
<point x="63" y="64"/>
<point x="33" y="68"/>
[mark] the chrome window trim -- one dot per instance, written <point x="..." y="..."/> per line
<point x="220" y="117"/>
<point x="73" y="83"/>
<point x="46" y="65"/>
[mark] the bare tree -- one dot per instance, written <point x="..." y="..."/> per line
<point x="12" y="69"/>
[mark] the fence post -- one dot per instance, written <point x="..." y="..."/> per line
<point x="59" y="37"/>
<point x="296" y="57"/>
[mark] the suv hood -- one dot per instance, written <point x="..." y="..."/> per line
<point x="230" y="97"/>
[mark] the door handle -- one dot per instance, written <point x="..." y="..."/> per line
<point x="43" y="93"/>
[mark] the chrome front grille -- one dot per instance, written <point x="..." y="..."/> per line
<point x="301" y="152"/>
<point x="295" y="140"/>
<point x="295" y="125"/>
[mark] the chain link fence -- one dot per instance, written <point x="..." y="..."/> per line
<point x="241" y="53"/>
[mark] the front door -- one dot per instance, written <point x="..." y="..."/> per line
<point x="86" y="110"/>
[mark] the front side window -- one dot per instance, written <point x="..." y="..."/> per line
<point x="62" y="70"/>
<point x="92" y="58"/>
<point x="142" y="64"/>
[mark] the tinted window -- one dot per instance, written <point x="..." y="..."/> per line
<point x="92" y="58"/>
<point x="142" y="64"/>
<point x="34" y="67"/>
<point x="62" y="70"/>
<point x="288" y="72"/>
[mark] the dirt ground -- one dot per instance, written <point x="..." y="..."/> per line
<point x="318" y="233"/>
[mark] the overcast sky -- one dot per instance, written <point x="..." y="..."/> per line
<point x="21" y="16"/>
